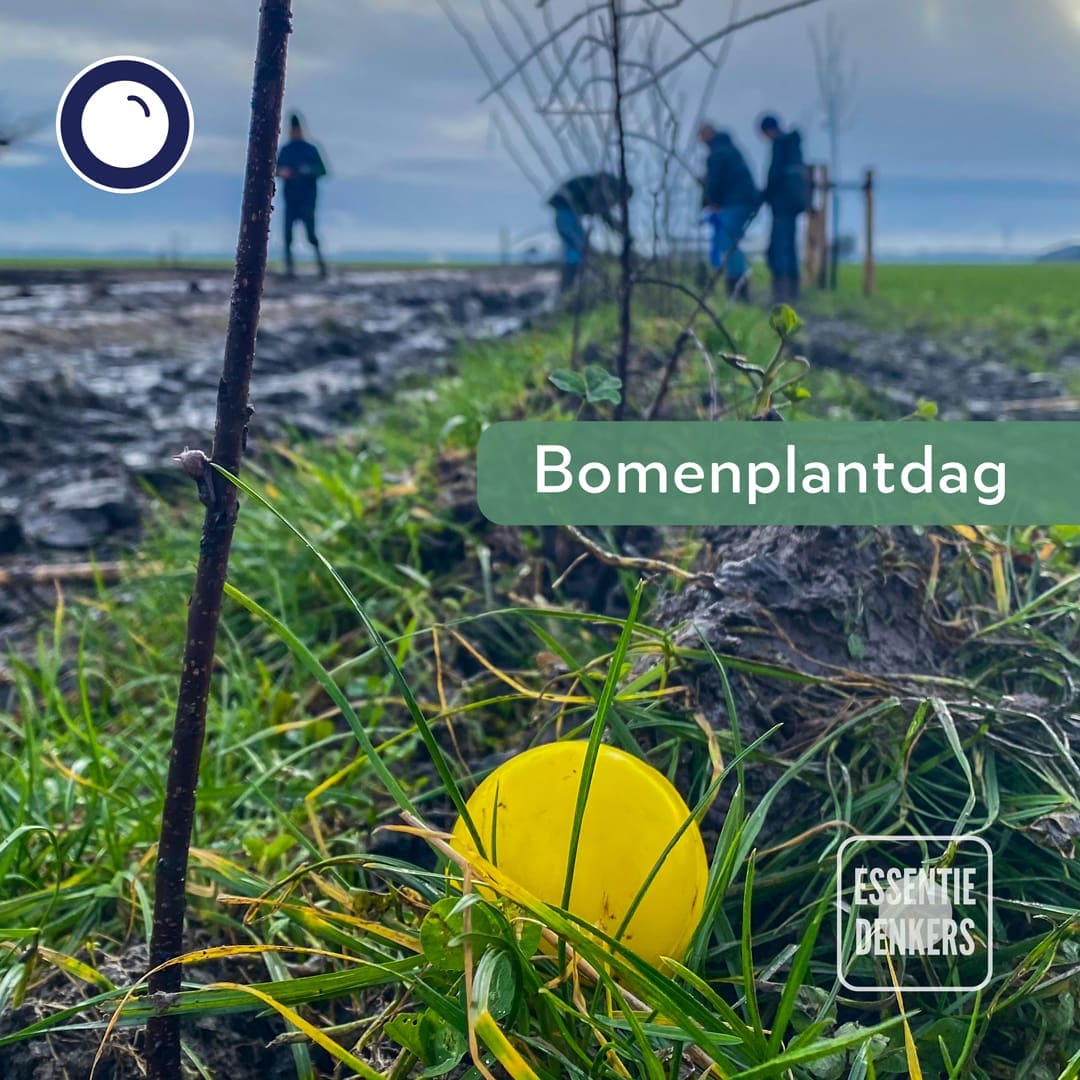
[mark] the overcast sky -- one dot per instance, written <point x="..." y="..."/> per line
<point x="966" y="109"/>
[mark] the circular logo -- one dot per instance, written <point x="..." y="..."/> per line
<point x="125" y="124"/>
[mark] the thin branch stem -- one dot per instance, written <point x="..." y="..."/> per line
<point x="221" y="501"/>
<point x="731" y="28"/>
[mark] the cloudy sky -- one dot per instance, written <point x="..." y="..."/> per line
<point x="966" y="109"/>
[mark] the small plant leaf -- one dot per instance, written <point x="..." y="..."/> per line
<point x="601" y="385"/>
<point x="529" y="934"/>
<point x="405" y="1031"/>
<point x="856" y="646"/>
<point x="784" y="320"/>
<point x="442" y="1046"/>
<point x="441" y="930"/>
<point x="926" y="410"/>
<point x="495" y="985"/>
<point x="572" y="382"/>
<point x="1065" y="535"/>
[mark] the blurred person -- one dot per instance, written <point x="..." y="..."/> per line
<point x="300" y="166"/>
<point x="729" y="199"/>
<point x="592" y="195"/>
<point x="787" y="196"/>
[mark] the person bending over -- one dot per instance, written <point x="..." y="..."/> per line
<point x="593" y="195"/>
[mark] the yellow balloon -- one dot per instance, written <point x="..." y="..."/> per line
<point x="632" y="814"/>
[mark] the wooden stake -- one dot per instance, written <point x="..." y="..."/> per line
<point x="811" y="258"/>
<point x="823" y="228"/>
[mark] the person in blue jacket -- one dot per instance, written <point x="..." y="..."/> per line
<point x="786" y="192"/>
<point x="300" y="166"/>
<point x="729" y="199"/>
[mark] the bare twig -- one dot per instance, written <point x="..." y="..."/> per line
<point x="714" y="75"/>
<point x="731" y="28"/>
<point x="511" y="107"/>
<point x="221" y="500"/>
<point x="589" y="149"/>
<point x="553" y="36"/>
<point x="710" y="368"/>
<point x="669" y="371"/>
<point x="80" y="571"/>
<point x="640" y="563"/>
<point x="507" y="46"/>
<point x="837" y="82"/>
<point x="516" y="156"/>
<point x="701" y="304"/>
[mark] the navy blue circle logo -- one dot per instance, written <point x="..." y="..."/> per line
<point x="125" y="124"/>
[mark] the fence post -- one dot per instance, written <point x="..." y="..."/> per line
<point x="869" y="270"/>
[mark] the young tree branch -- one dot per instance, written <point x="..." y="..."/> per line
<point x="221" y="502"/>
<point x="732" y="27"/>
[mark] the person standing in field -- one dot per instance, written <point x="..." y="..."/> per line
<point x="593" y="195"/>
<point x="787" y="195"/>
<point x="729" y="199"/>
<point x="300" y="166"/>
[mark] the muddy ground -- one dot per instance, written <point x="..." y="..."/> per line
<point x="970" y="377"/>
<point x="107" y="376"/>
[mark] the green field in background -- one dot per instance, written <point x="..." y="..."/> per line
<point x="988" y="297"/>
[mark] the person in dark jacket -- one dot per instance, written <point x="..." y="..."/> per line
<point x="592" y="195"/>
<point x="786" y="193"/>
<point x="300" y="166"/>
<point x="729" y="199"/>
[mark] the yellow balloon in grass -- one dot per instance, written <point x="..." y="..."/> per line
<point x="632" y="815"/>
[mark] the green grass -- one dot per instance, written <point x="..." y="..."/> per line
<point x="329" y="682"/>
<point x="1029" y="310"/>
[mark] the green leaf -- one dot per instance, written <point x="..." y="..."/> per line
<point x="784" y="320"/>
<point x="926" y="410"/>
<point x="495" y="985"/>
<point x="443" y="927"/>
<point x="442" y="1046"/>
<point x="278" y="847"/>
<point x="856" y="646"/>
<point x="405" y="1031"/>
<point x="530" y="931"/>
<point x="1065" y="535"/>
<point x="573" y="382"/>
<point x="809" y="1002"/>
<point x="601" y="385"/>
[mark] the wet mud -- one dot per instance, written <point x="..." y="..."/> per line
<point x="106" y="377"/>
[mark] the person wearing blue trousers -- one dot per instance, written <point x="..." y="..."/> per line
<point x="787" y="193"/>
<point x="594" y="195"/>
<point x="729" y="200"/>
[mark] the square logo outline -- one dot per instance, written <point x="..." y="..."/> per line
<point x="908" y="838"/>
